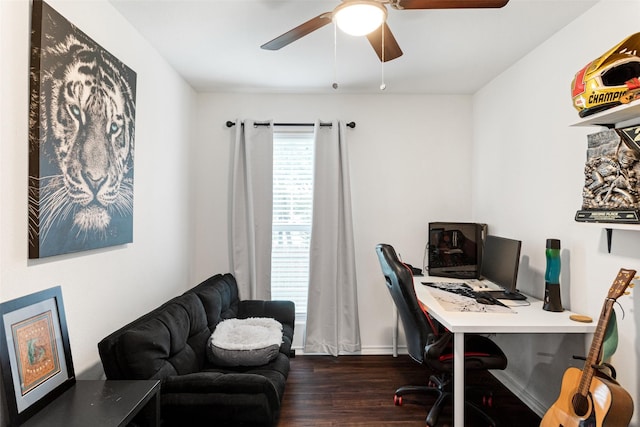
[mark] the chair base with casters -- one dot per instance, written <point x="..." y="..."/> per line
<point x="440" y="387"/>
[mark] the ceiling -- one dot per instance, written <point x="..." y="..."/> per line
<point x="215" y="44"/>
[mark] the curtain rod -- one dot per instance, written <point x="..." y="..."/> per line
<point x="350" y="124"/>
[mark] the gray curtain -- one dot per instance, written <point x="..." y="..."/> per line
<point x="251" y="209"/>
<point x="332" y="312"/>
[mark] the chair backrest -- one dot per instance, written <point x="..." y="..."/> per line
<point x="399" y="281"/>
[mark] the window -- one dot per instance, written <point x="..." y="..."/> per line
<point x="292" y="209"/>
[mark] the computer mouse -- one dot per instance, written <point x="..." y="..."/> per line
<point x="483" y="300"/>
<point x="486" y="298"/>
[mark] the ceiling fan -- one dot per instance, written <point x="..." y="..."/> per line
<point x="380" y="36"/>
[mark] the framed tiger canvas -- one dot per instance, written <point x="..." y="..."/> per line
<point x="81" y="140"/>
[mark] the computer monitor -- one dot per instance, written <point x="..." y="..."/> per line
<point x="500" y="262"/>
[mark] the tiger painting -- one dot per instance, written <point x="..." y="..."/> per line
<point x="82" y="120"/>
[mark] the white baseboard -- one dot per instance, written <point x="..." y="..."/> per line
<point x="528" y="399"/>
<point x="366" y="351"/>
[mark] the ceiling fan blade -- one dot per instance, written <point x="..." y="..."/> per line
<point x="448" y="4"/>
<point x="298" y="32"/>
<point x="391" y="48"/>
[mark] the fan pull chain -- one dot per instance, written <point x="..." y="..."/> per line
<point x="383" y="86"/>
<point x="335" y="56"/>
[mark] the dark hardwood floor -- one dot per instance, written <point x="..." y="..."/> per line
<point x="327" y="391"/>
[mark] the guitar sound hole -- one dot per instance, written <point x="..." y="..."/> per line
<point x="580" y="404"/>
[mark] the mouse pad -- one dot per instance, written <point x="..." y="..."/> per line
<point x="455" y="302"/>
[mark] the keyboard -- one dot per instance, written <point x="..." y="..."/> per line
<point x="495" y="290"/>
<point x="517" y="296"/>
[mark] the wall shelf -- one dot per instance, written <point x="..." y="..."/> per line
<point x="617" y="117"/>
<point x="610" y="226"/>
<point x="621" y="116"/>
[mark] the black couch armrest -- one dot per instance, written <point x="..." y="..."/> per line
<point x="283" y="311"/>
<point x="226" y="399"/>
<point x="219" y="382"/>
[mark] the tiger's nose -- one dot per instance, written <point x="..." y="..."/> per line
<point x="94" y="180"/>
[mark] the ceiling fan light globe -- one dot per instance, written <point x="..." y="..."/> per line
<point x="359" y="18"/>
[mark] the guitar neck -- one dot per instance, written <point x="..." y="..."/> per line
<point x="617" y="289"/>
<point x="593" y="359"/>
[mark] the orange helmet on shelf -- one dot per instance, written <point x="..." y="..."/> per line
<point x="610" y="80"/>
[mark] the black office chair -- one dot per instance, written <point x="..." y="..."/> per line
<point x="430" y="344"/>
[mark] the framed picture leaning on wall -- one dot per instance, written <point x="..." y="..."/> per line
<point x="35" y="354"/>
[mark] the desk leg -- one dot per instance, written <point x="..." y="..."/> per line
<point x="394" y="340"/>
<point x="458" y="379"/>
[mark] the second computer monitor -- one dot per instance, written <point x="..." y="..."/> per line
<point x="500" y="261"/>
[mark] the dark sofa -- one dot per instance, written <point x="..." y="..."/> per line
<point x="170" y="344"/>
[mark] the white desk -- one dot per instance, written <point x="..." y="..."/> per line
<point x="524" y="319"/>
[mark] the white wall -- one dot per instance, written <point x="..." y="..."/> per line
<point x="409" y="160"/>
<point x="528" y="179"/>
<point x="102" y="289"/>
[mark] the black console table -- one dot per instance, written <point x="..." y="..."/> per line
<point x="102" y="404"/>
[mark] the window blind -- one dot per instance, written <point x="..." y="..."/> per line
<point x="292" y="213"/>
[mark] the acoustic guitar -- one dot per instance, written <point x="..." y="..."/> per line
<point x="589" y="397"/>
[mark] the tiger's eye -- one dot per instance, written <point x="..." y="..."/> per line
<point x="75" y="110"/>
<point x="114" y="128"/>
